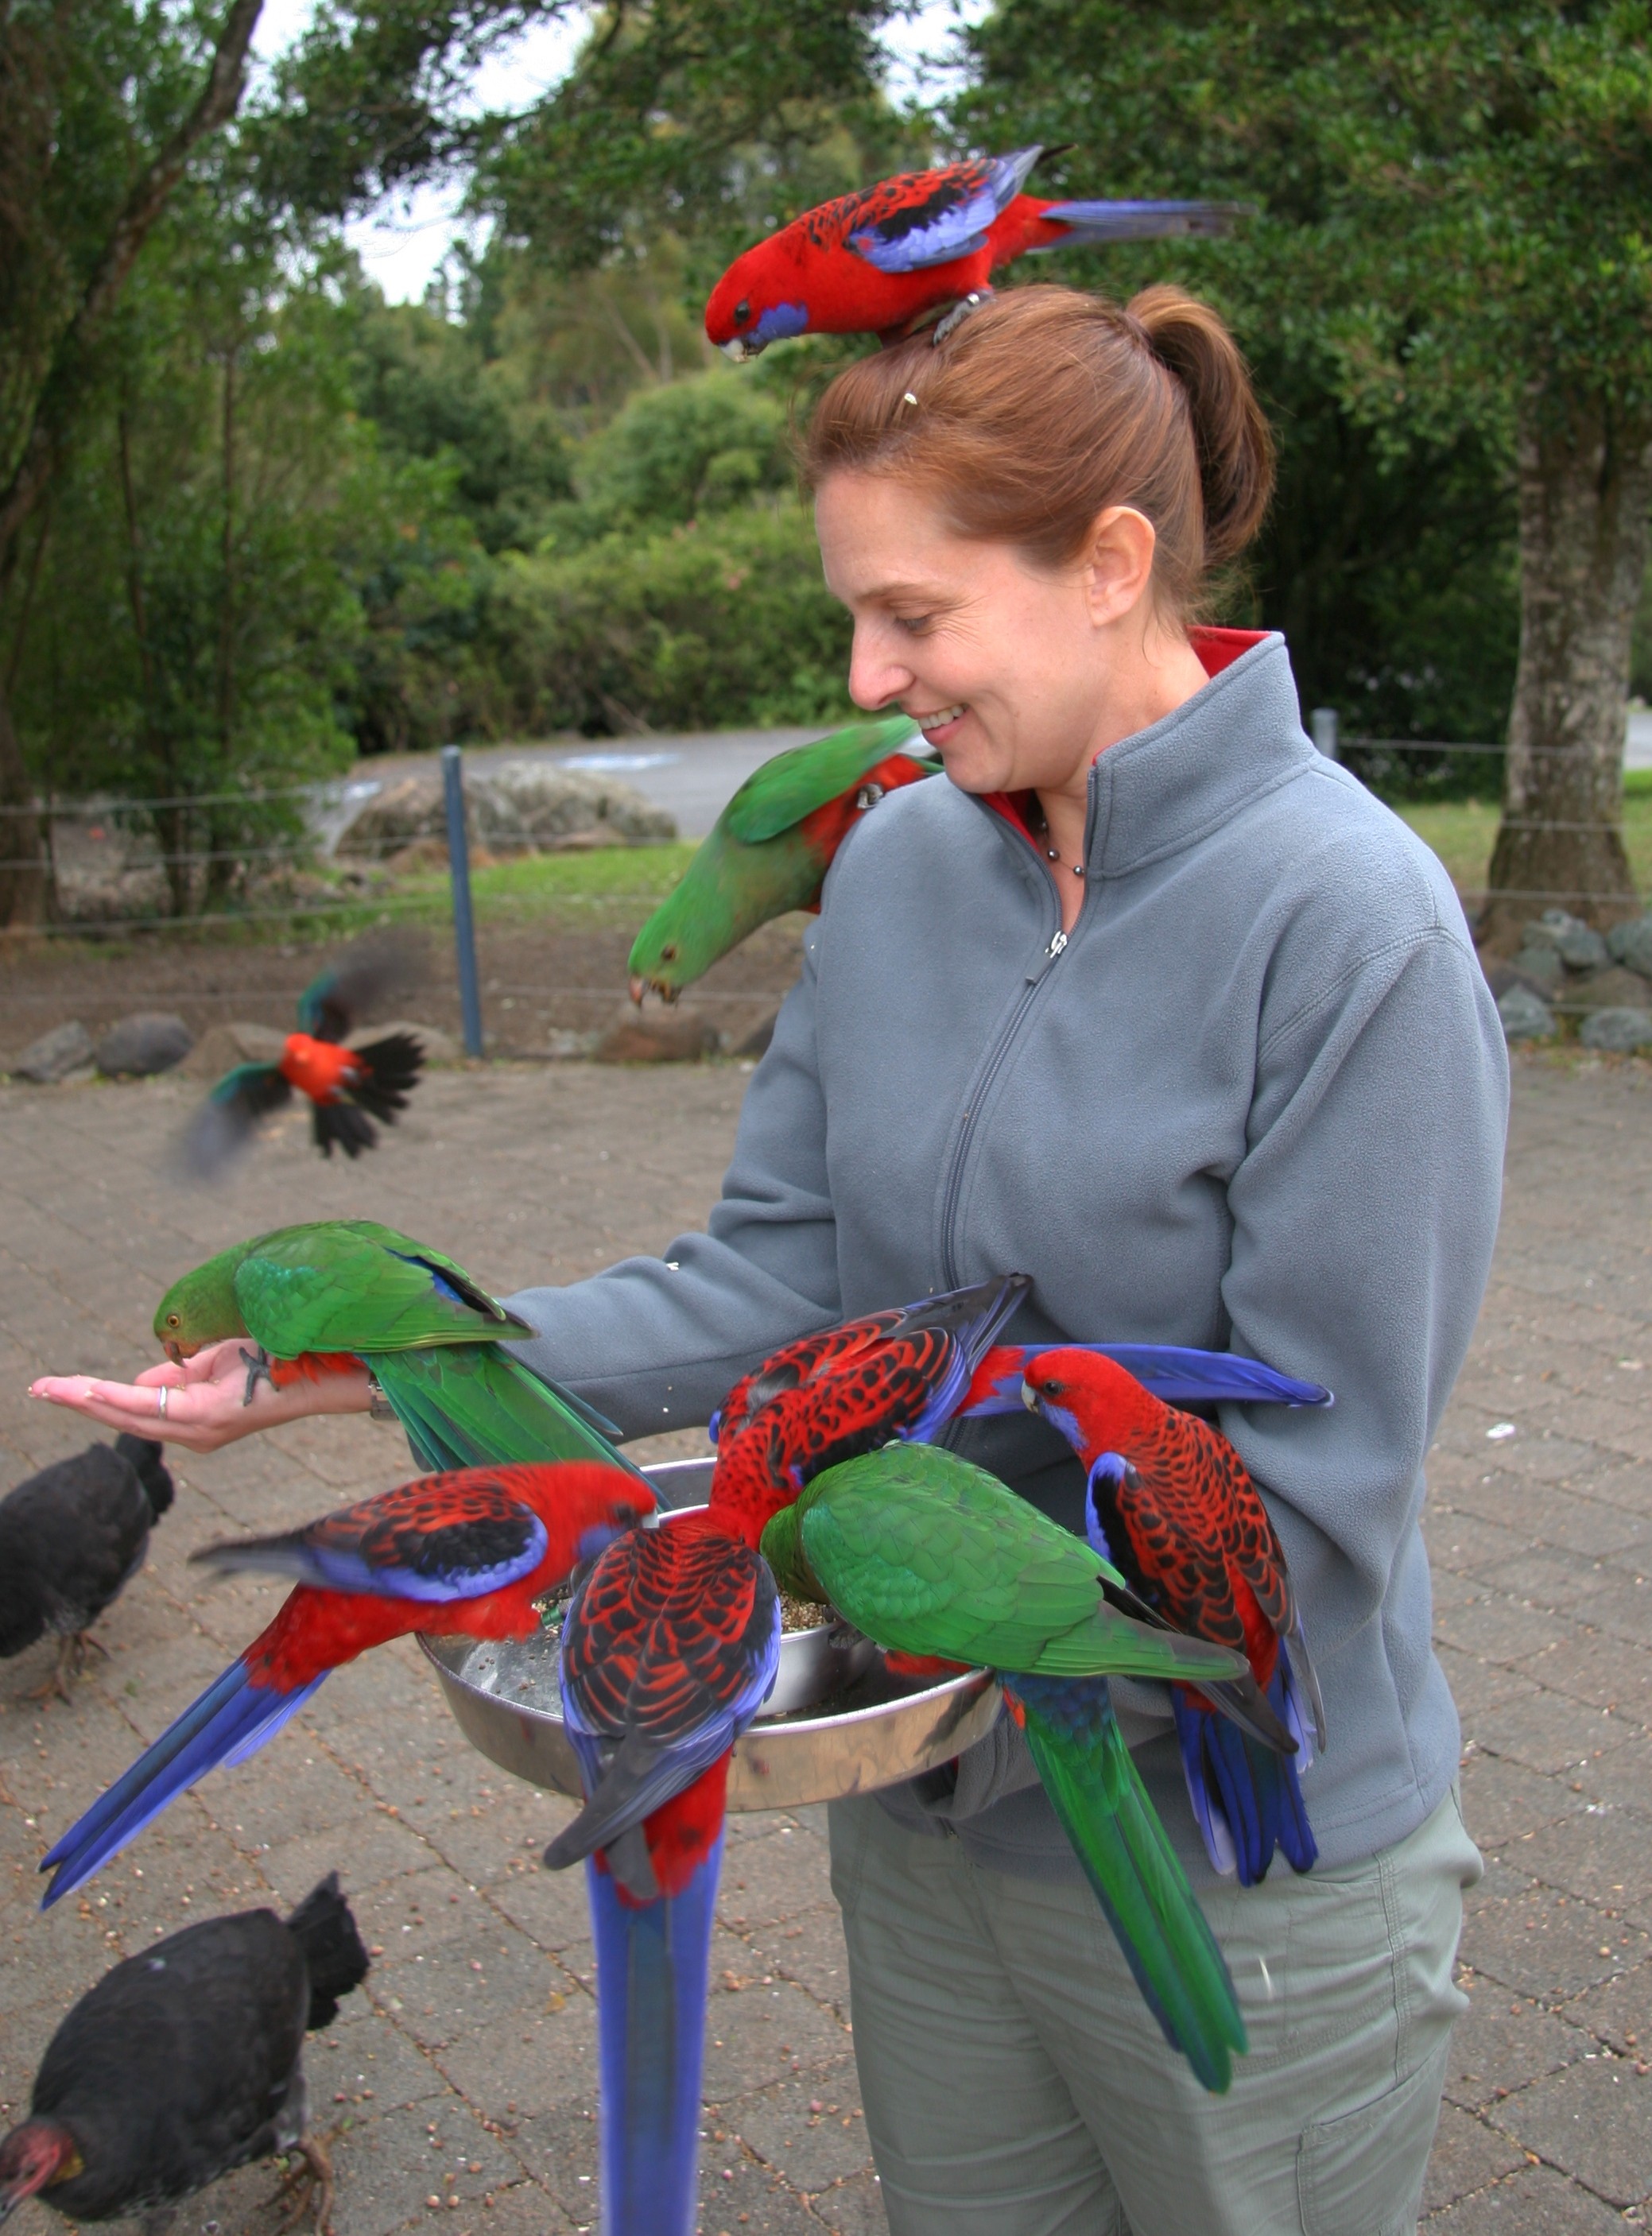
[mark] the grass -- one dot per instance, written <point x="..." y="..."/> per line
<point x="1461" y="831"/>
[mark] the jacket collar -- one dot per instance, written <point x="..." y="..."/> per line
<point x="1161" y="789"/>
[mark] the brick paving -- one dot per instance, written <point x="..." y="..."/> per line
<point x="460" y="2080"/>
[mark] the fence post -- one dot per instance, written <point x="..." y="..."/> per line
<point x="458" y="867"/>
<point x="1323" y="722"/>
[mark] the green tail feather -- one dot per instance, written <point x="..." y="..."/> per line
<point x="1137" y="1876"/>
<point x="473" y="1405"/>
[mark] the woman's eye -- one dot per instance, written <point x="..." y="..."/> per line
<point x="914" y="624"/>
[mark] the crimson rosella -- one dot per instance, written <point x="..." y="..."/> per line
<point x="669" y="1648"/>
<point x="882" y="260"/>
<point x="467" y="1553"/>
<point x="1170" y="1502"/>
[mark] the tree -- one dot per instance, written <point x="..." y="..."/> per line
<point x="1453" y="199"/>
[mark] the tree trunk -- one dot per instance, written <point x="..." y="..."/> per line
<point x="1585" y="478"/>
<point x="23" y="853"/>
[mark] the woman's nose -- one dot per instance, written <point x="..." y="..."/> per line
<point x="876" y="675"/>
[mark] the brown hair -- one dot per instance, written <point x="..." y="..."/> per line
<point x="1047" y="405"/>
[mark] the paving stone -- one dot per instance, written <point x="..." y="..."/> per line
<point x="1551" y="1945"/>
<point x="1503" y="1799"/>
<point x="1619" y="2012"/>
<point x="1502" y="2042"/>
<point x="1549" y="1733"/>
<point x="1594" y="2121"/>
<point x="1535" y="2202"/>
<point x="1467" y="2154"/>
<point x="1590" y="1665"/>
<point x="1605" y="1854"/>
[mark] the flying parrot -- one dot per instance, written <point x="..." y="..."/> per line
<point x="669" y="1648"/>
<point x="339" y="1294"/>
<point x="1169" y="1500"/>
<point x="883" y="261"/>
<point x="932" y="1557"/>
<point x="467" y="1552"/>
<point x="347" y="1088"/>
<point x="771" y="847"/>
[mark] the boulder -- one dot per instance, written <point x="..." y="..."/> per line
<point x="1610" y="988"/>
<point x="438" y="1046"/>
<point x="1619" y="1032"/>
<point x="1631" y="945"/>
<point x="516" y="806"/>
<point x="1539" y="966"/>
<point x="221" y="1047"/>
<point x="147" y="1042"/>
<point x="755" y="1043"/>
<point x="1500" y="975"/>
<point x="1579" y="947"/>
<point x="656" y="1036"/>
<point x="1524" y="1016"/>
<point x="64" y="1050"/>
<point x="563" y="1046"/>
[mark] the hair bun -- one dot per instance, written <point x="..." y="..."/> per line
<point x="1233" y="439"/>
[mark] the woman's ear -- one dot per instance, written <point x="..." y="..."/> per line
<point x="1119" y="568"/>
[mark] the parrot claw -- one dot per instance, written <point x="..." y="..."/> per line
<point x="958" y="313"/>
<point x="257" y="1363"/>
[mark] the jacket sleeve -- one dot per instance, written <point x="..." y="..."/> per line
<point x="658" y="1342"/>
<point x="1364" y="1213"/>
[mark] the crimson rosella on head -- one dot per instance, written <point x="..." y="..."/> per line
<point x="1170" y="1502"/>
<point x="466" y="1553"/>
<point x="883" y="261"/>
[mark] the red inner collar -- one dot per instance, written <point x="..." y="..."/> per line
<point x="1217" y="648"/>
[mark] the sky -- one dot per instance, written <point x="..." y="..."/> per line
<point x="402" y="244"/>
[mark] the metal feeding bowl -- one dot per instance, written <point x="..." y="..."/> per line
<point x="835" y="1724"/>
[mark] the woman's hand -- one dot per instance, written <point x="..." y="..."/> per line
<point x="206" y="1399"/>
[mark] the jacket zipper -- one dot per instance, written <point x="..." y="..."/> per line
<point x="982" y="1087"/>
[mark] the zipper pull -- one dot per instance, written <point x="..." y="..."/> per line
<point x="1057" y="946"/>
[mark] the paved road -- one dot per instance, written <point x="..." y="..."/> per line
<point x="463" y="2072"/>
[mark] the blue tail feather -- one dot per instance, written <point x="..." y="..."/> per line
<point x="1246" y="1800"/>
<point x="232" y="1720"/>
<point x="652" y="1967"/>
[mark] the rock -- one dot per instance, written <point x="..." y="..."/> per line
<point x="55" y="1055"/>
<point x="1619" y="1032"/>
<point x="756" y="1041"/>
<point x="1631" y="945"/>
<point x="1524" y="1017"/>
<point x="1499" y="976"/>
<point x="1539" y="966"/>
<point x="1578" y="947"/>
<point x="656" y="1037"/>
<point x="564" y="1047"/>
<point x="438" y="1046"/>
<point x="221" y="1047"/>
<point x="147" y="1042"/>
<point x="516" y="806"/>
<point x="1610" y="988"/>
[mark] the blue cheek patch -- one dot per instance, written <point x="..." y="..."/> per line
<point x="780" y="322"/>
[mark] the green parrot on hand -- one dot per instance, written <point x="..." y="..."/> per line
<point x="771" y="847"/>
<point x="931" y="1556"/>
<point x="328" y="1297"/>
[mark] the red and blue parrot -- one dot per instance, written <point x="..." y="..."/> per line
<point x="883" y="261"/>
<point x="468" y="1552"/>
<point x="1170" y="1503"/>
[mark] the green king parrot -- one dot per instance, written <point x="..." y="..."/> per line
<point x="771" y="847"/>
<point x="326" y="1297"/>
<point x="931" y="1556"/>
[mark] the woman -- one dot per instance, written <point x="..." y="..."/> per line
<point x="1155" y="1004"/>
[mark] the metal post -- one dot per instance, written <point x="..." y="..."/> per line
<point x="1323" y="723"/>
<point x="459" y="866"/>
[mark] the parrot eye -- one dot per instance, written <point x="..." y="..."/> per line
<point x="668" y="952"/>
<point x="173" y="1321"/>
<point x="743" y="314"/>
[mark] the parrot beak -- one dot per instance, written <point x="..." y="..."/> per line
<point x="638" y="986"/>
<point x="1028" y="1396"/>
<point x="174" y="1351"/>
<point x="739" y="352"/>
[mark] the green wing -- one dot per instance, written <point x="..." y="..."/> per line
<point x="353" y="1285"/>
<point x="473" y="1405"/>
<point x="803" y="778"/>
<point x="927" y="1553"/>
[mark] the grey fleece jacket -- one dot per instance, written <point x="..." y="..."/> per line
<point x="1256" y="1101"/>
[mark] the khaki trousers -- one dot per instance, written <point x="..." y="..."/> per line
<point x="1016" y="2085"/>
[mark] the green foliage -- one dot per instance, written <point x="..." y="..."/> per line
<point x="701" y="445"/>
<point x="717" y="622"/>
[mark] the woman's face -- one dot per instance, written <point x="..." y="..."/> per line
<point x="1005" y="667"/>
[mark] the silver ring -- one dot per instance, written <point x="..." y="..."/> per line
<point x="160" y="1397"/>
